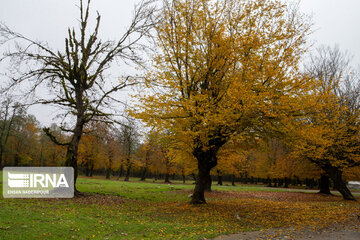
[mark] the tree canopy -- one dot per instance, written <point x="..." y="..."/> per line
<point x="224" y="68"/>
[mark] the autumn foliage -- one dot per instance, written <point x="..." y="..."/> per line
<point x="226" y="97"/>
<point x="229" y="70"/>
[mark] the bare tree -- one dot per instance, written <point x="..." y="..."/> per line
<point x="75" y="77"/>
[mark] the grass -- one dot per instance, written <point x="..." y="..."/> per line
<point x="145" y="210"/>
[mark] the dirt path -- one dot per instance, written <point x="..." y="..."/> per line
<point x="348" y="233"/>
<point x="338" y="235"/>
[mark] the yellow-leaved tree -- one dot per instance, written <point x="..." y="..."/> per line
<point x="223" y="69"/>
<point x="329" y="134"/>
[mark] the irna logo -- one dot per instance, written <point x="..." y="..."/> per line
<point x="38" y="182"/>
<point x="19" y="180"/>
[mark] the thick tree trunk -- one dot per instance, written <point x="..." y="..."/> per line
<point x="208" y="183"/>
<point x="233" y="180"/>
<point x="206" y="161"/>
<point x="324" y="184"/>
<point x="108" y="171"/>
<point x="91" y="170"/>
<point x="339" y="184"/>
<point x="143" y="174"/>
<point x="167" y="178"/>
<point x="72" y="149"/>
<point x="202" y="182"/>
<point x="183" y="178"/>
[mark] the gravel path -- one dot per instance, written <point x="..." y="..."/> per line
<point x="351" y="232"/>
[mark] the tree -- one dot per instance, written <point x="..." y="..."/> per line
<point x="145" y="160"/>
<point x="234" y="159"/>
<point x="129" y="139"/>
<point x="7" y="115"/>
<point x="329" y="135"/>
<point x="75" y="76"/>
<point x="111" y="145"/>
<point x="223" y="68"/>
<point x="22" y="146"/>
<point x="146" y="154"/>
<point x="52" y="154"/>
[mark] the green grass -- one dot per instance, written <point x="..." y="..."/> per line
<point x="150" y="191"/>
<point x="134" y="210"/>
<point x="146" y="191"/>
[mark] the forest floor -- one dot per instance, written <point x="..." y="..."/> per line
<point x="112" y="209"/>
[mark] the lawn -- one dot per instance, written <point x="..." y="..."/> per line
<point x="114" y="209"/>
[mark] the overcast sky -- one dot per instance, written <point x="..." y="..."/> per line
<point x="336" y="22"/>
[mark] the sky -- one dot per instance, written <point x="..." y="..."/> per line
<point x="335" y="22"/>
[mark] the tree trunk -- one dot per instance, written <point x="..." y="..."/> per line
<point x="72" y="149"/>
<point x="194" y="177"/>
<point x="127" y="176"/>
<point x="252" y="180"/>
<point x="91" y="170"/>
<point x="245" y="178"/>
<point x="143" y="174"/>
<point x="208" y="183"/>
<point x="167" y="178"/>
<point x="108" y="171"/>
<point x="220" y="182"/>
<point x="339" y="184"/>
<point x="233" y="180"/>
<point x="311" y="183"/>
<point x="183" y="178"/>
<point x="269" y="182"/>
<point x="121" y="171"/>
<point x="16" y="160"/>
<point x="324" y="184"/>
<point x="1" y="157"/>
<point x="275" y="181"/>
<point x="41" y="156"/>
<point x="87" y="170"/>
<point x="6" y="133"/>
<point x="286" y="182"/>
<point x="206" y="161"/>
<point x="202" y="183"/>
